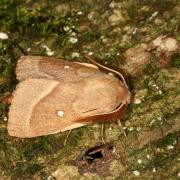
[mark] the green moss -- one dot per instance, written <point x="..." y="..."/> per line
<point x="34" y="168"/>
<point x="133" y="8"/>
<point x="90" y="37"/>
<point x="175" y="60"/>
<point x="148" y="157"/>
<point x="162" y="5"/>
<point x="169" y="140"/>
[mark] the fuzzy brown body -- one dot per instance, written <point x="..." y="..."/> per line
<point x="55" y="95"/>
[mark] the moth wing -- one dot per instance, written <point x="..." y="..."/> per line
<point x="43" y="106"/>
<point x="54" y="95"/>
<point x="69" y="102"/>
<point x="52" y="68"/>
<point x="34" y="110"/>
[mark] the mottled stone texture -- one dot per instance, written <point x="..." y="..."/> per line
<point x="140" y="37"/>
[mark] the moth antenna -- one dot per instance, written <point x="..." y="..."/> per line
<point x="107" y="69"/>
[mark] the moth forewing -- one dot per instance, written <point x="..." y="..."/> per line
<point x="55" y="95"/>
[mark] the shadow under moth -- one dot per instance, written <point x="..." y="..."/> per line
<point x="55" y="95"/>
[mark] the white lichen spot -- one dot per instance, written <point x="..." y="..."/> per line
<point x="28" y="49"/>
<point x="156" y="86"/>
<point x="148" y="156"/>
<point x="154" y="170"/>
<point x="174" y="142"/>
<point x="61" y="113"/>
<point x="159" y="118"/>
<point x="3" y="36"/>
<point x="170" y="147"/>
<point x="160" y="92"/>
<point x="152" y="122"/>
<point x="118" y="54"/>
<point x="138" y="128"/>
<point x="79" y="13"/>
<point x="50" y="178"/>
<point x="178" y="174"/>
<point x="153" y="15"/>
<point x="112" y="4"/>
<point x="114" y="150"/>
<point x="5" y="119"/>
<point x="73" y="33"/>
<point x="73" y="40"/>
<point x="105" y="62"/>
<point x="134" y="31"/>
<point x="90" y="53"/>
<point x="131" y="128"/>
<point x="136" y="173"/>
<point x="139" y="161"/>
<point x="66" y="28"/>
<point x="137" y="101"/>
<point x="75" y="54"/>
<point x="48" y="51"/>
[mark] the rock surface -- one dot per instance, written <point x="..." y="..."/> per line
<point x="111" y="31"/>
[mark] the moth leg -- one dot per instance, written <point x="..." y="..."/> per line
<point x="67" y="136"/>
<point x="103" y="133"/>
<point x="122" y="125"/>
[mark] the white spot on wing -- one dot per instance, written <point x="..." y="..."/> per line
<point x="66" y="67"/>
<point x="60" y="113"/>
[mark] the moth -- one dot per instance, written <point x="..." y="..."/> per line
<point x="56" y="95"/>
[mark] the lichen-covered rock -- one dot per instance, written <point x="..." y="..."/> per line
<point x="71" y="172"/>
<point x="164" y="44"/>
<point x="164" y="48"/>
<point x="119" y="14"/>
<point x="63" y="8"/>
<point x="136" y="58"/>
<point x="140" y="96"/>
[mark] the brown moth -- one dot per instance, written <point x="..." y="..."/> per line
<point x="55" y="95"/>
